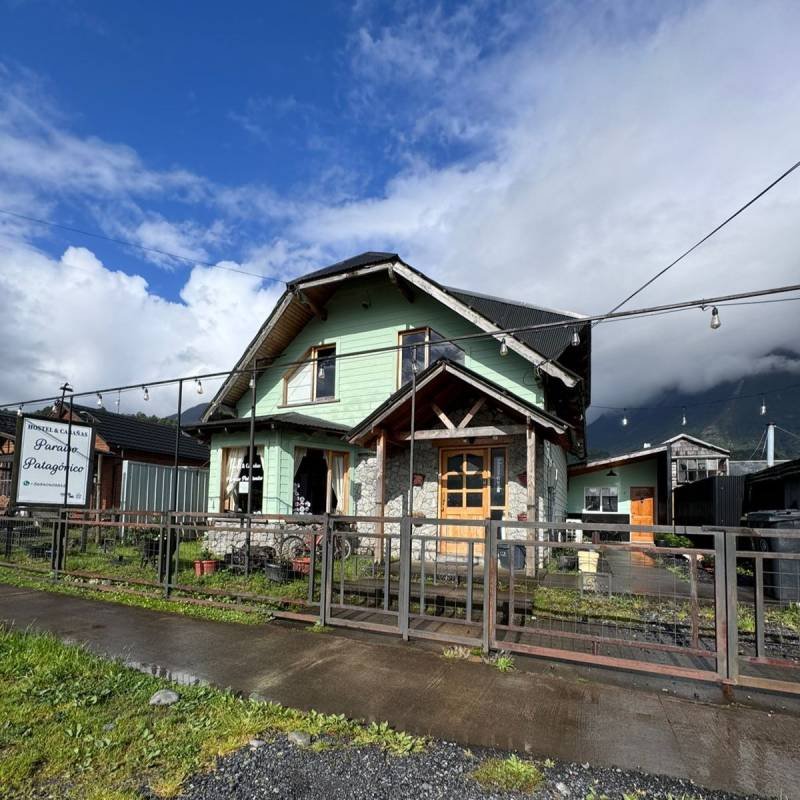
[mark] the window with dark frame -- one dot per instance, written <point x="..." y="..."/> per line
<point x="605" y="499"/>
<point x="430" y="348"/>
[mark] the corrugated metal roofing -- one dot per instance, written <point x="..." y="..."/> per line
<point x="550" y="342"/>
<point x="291" y="418"/>
<point x="122" y="431"/>
<point x="8" y="423"/>
<point x="356" y="262"/>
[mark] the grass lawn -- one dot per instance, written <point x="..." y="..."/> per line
<point x="73" y="725"/>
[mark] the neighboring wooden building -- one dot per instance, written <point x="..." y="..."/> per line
<point x="693" y="459"/>
<point x="495" y="416"/>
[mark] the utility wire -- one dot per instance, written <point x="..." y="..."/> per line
<point x="499" y="334"/>
<point x="783" y="430"/>
<point x="144" y="248"/>
<point x="707" y="236"/>
<point x="755" y="449"/>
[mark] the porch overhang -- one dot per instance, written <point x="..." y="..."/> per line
<point x="439" y="387"/>
<point x="290" y="419"/>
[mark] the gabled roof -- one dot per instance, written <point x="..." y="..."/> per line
<point x="307" y="295"/>
<point x="612" y="461"/>
<point x="696" y="441"/>
<point x="124" y="432"/>
<point x="460" y="375"/>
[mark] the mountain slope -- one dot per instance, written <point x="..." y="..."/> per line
<point x="732" y="423"/>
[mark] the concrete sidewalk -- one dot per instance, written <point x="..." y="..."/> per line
<point x="733" y="748"/>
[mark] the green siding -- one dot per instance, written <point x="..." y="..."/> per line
<point x="640" y="473"/>
<point x="364" y="382"/>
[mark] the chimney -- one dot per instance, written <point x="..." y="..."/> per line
<point x="646" y="445"/>
<point x="771" y="444"/>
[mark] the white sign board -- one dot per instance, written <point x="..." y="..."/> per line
<point x="41" y="461"/>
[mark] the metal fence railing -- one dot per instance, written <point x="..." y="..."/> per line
<point x="718" y="604"/>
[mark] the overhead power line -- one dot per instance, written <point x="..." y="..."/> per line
<point x="135" y="245"/>
<point x="498" y="334"/>
<point x="707" y="236"/>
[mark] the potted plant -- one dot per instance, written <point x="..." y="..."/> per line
<point x="277" y="572"/>
<point x="301" y="565"/>
<point x="198" y="567"/>
<point x="209" y="562"/>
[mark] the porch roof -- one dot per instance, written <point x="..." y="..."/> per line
<point x="445" y="380"/>
<point x="288" y="419"/>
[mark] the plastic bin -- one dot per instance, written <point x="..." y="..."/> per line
<point x="781" y="575"/>
<point x="503" y="550"/>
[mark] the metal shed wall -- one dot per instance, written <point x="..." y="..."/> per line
<point x="147" y="487"/>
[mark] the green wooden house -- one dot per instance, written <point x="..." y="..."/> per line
<point x="329" y="377"/>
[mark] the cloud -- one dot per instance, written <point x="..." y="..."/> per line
<point x="74" y="319"/>
<point x="615" y="141"/>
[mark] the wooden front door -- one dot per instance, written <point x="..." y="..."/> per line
<point x="464" y="494"/>
<point x="642" y="512"/>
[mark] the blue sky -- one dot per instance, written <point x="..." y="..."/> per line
<point x="568" y="150"/>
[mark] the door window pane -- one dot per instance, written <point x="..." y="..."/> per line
<point x="474" y="462"/>
<point x="475" y="481"/>
<point x="454" y="463"/>
<point x="455" y="481"/>
<point x="454" y="500"/>
<point x="474" y="499"/>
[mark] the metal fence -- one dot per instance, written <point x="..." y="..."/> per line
<point x="149" y="487"/>
<point x="717" y="604"/>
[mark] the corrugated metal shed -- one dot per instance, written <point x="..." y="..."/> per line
<point x="148" y="487"/>
<point x="711" y="501"/>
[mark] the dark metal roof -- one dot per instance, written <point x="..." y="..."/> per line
<point x="124" y="432"/>
<point x="550" y="342"/>
<point x="788" y="469"/>
<point x="291" y="419"/>
<point x="8" y="423"/>
<point x="356" y="262"/>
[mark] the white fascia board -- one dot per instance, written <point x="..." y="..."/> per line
<point x="528" y="353"/>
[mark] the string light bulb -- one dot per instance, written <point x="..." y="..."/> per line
<point x="683" y="417"/>
<point x="715" y="323"/>
<point x="145" y="393"/>
<point x="198" y="384"/>
<point x="19" y="410"/>
<point x="99" y="400"/>
<point x="763" y="410"/>
<point x="576" y="339"/>
<point x="503" y="347"/>
<point x="624" y="417"/>
<point x="252" y="383"/>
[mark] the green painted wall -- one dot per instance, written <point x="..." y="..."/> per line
<point x="640" y="473"/>
<point x="362" y="382"/>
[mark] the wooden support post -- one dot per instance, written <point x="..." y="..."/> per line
<point x="380" y="498"/>
<point x="532" y="554"/>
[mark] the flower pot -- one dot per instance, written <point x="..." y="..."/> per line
<point x="198" y="568"/>
<point x="277" y="573"/>
<point x="209" y="566"/>
<point x="302" y="566"/>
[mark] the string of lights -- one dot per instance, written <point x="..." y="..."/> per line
<point x="500" y="334"/>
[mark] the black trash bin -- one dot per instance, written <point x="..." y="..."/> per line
<point x="503" y="552"/>
<point x="781" y="575"/>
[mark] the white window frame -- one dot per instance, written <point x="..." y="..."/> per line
<point x="601" y="492"/>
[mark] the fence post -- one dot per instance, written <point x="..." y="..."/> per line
<point x="489" y="584"/>
<point x="720" y="605"/>
<point x="404" y="591"/>
<point x="168" y="554"/>
<point x="733" y="606"/>
<point x="759" y="606"/>
<point x="325" y="581"/>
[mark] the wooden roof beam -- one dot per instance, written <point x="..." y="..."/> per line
<point x="401" y="285"/>
<point x="305" y="300"/>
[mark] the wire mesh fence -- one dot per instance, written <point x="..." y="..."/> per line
<point x="719" y="604"/>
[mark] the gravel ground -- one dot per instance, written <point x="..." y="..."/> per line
<point x="278" y="769"/>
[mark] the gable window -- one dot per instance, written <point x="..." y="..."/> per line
<point x="605" y="498"/>
<point x="430" y="348"/>
<point x="315" y="379"/>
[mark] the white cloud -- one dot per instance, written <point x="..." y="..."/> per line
<point x="74" y="319"/>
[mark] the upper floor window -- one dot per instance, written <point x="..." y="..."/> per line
<point x="314" y="380"/>
<point x="430" y="348"/>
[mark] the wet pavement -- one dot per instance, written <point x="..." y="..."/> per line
<point x="624" y="724"/>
